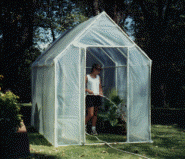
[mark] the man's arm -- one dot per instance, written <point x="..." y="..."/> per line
<point x="100" y="89"/>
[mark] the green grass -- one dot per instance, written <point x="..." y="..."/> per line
<point x="168" y="143"/>
<point x="25" y="104"/>
<point x="106" y="137"/>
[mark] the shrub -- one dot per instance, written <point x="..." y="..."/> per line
<point x="114" y="112"/>
<point x="10" y="119"/>
<point x="1" y="84"/>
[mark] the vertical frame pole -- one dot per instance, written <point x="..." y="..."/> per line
<point x="79" y="89"/>
<point x="149" y="103"/>
<point x="116" y="79"/>
<point x="84" y="139"/>
<point x="128" y="95"/>
<point x="32" y="119"/>
<point x="103" y="83"/>
<point x="55" y="105"/>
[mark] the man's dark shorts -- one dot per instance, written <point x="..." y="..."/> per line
<point x="93" y="101"/>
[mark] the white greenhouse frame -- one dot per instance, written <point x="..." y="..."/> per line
<point x="58" y="82"/>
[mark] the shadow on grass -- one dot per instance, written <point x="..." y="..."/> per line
<point x="180" y="127"/>
<point x="146" y="150"/>
<point x="41" y="156"/>
<point x="168" y="143"/>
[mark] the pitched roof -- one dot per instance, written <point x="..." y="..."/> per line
<point x="100" y="30"/>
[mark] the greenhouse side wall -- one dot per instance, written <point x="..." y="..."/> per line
<point x="37" y="98"/>
<point x="48" y="103"/>
<point x="42" y="116"/>
<point x="68" y="105"/>
<point x="139" y="92"/>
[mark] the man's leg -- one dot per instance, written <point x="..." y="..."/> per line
<point x="89" y="115"/>
<point x="94" y="118"/>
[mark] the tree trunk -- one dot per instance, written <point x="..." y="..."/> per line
<point x="96" y="7"/>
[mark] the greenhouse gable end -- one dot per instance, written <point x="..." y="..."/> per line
<point x="58" y="81"/>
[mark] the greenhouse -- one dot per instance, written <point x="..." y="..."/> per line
<point x="58" y="81"/>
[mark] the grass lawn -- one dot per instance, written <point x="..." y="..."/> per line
<point x="25" y="104"/>
<point x="169" y="141"/>
<point x="106" y="137"/>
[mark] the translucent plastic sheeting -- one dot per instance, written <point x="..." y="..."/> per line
<point x="108" y="78"/>
<point x="66" y="131"/>
<point x="136" y="58"/>
<point x="37" y="111"/>
<point x="68" y="97"/>
<point x="91" y="58"/>
<point x="138" y="104"/>
<point x="43" y="101"/>
<point x="36" y="94"/>
<point x="48" y="106"/>
<point x="107" y="56"/>
<point x="104" y="34"/>
<point x="116" y="55"/>
<point x="101" y="57"/>
<point x="122" y="82"/>
<point x="139" y="96"/>
<point x="103" y="22"/>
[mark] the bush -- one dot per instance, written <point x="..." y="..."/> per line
<point x="10" y="119"/>
<point x="114" y="112"/>
<point x="1" y="83"/>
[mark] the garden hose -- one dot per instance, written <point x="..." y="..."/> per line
<point x="109" y="144"/>
<point x="116" y="148"/>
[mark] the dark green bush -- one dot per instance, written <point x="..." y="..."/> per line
<point x="10" y="119"/>
<point x="1" y="83"/>
<point x="112" y="113"/>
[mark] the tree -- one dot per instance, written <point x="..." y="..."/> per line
<point x="56" y="16"/>
<point x="159" y="27"/>
<point x="19" y="34"/>
<point x="24" y="72"/>
<point x="16" y="36"/>
<point x="117" y="10"/>
<point x="157" y="23"/>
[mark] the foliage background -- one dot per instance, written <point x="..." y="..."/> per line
<point x="158" y="27"/>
